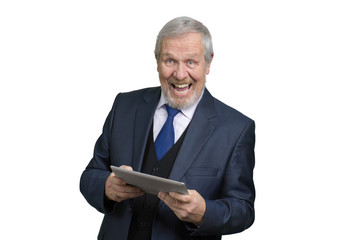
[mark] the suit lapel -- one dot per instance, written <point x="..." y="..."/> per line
<point x="143" y="121"/>
<point x="198" y="133"/>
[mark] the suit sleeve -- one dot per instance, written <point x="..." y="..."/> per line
<point x="92" y="182"/>
<point x="234" y="211"/>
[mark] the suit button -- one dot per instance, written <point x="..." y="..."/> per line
<point x="144" y="224"/>
<point x="146" y="205"/>
<point x="155" y="169"/>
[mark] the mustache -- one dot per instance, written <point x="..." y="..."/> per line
<point x="175" y="80"/>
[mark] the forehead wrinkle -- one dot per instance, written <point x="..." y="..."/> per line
<point x="183" y="53"/>
<point x="187" y="55"/>
<point x="187" y="44"/>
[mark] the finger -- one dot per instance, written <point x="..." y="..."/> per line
<point x="126" y="167"/>
<point x="124" y="196"/>
<point x="165" y="197"/>
<point x="162" y="196"/>
<point x="131" y="189"/>
<point x="118" y="182"/>
<point x="171" y="202"/>
<point x="127" y="192"/>
<point x="179" y="196"/>
<point x="115" y="180"/>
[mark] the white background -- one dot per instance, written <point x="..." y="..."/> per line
<point x="292" y="66"/>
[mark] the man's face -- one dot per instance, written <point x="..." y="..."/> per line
<point x="182" y="69"/>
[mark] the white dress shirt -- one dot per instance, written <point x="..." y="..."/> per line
<point x="181" y="120"/>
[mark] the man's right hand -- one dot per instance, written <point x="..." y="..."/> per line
<point x="117" y="190"/>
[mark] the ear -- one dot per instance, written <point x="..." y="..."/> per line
<point x="209" y="64"/>
<point x="157" y="62"/>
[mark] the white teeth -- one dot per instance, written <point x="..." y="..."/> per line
<point x="182" y="85"/>
<point x="182" y="92"/>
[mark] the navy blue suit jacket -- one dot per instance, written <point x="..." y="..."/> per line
<point x="216" y="159"/>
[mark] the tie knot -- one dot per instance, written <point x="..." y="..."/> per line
<point x="171" y="111"/>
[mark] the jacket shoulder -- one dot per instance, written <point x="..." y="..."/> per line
<point x="138" y="93"/>
<point x="230" y="115"/>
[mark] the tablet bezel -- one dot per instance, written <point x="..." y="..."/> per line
<point x="149" y="183"/>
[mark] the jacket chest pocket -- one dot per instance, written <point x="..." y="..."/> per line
<point x="205" y="180"/>
<point x="202" y="172"/>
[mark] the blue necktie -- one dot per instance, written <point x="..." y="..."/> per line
<point x="166" y="137"/>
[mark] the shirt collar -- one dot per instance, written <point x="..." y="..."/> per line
<point x="187" y="112"/>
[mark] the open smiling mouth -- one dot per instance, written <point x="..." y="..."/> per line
<point x="182" y="88"/>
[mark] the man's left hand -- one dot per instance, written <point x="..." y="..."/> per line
<point x="188" y="208"/>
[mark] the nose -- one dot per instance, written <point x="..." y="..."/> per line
<point x="180" y="72"/>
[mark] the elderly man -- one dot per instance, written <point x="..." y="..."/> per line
<point x="177" y="131"/>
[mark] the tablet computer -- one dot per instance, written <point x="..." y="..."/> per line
<point x="149" y="183"/>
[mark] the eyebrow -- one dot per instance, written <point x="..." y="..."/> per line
<point x="169" y="54"/>
<point x="187" y="56"/>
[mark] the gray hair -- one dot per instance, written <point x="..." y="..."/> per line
<point x="181" y="25"/>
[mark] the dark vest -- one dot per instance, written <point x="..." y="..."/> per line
<point x="146" y="205"/>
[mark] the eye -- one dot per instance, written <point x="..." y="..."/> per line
<point x="169" y="61"/>
<point x="191" y="62"/>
